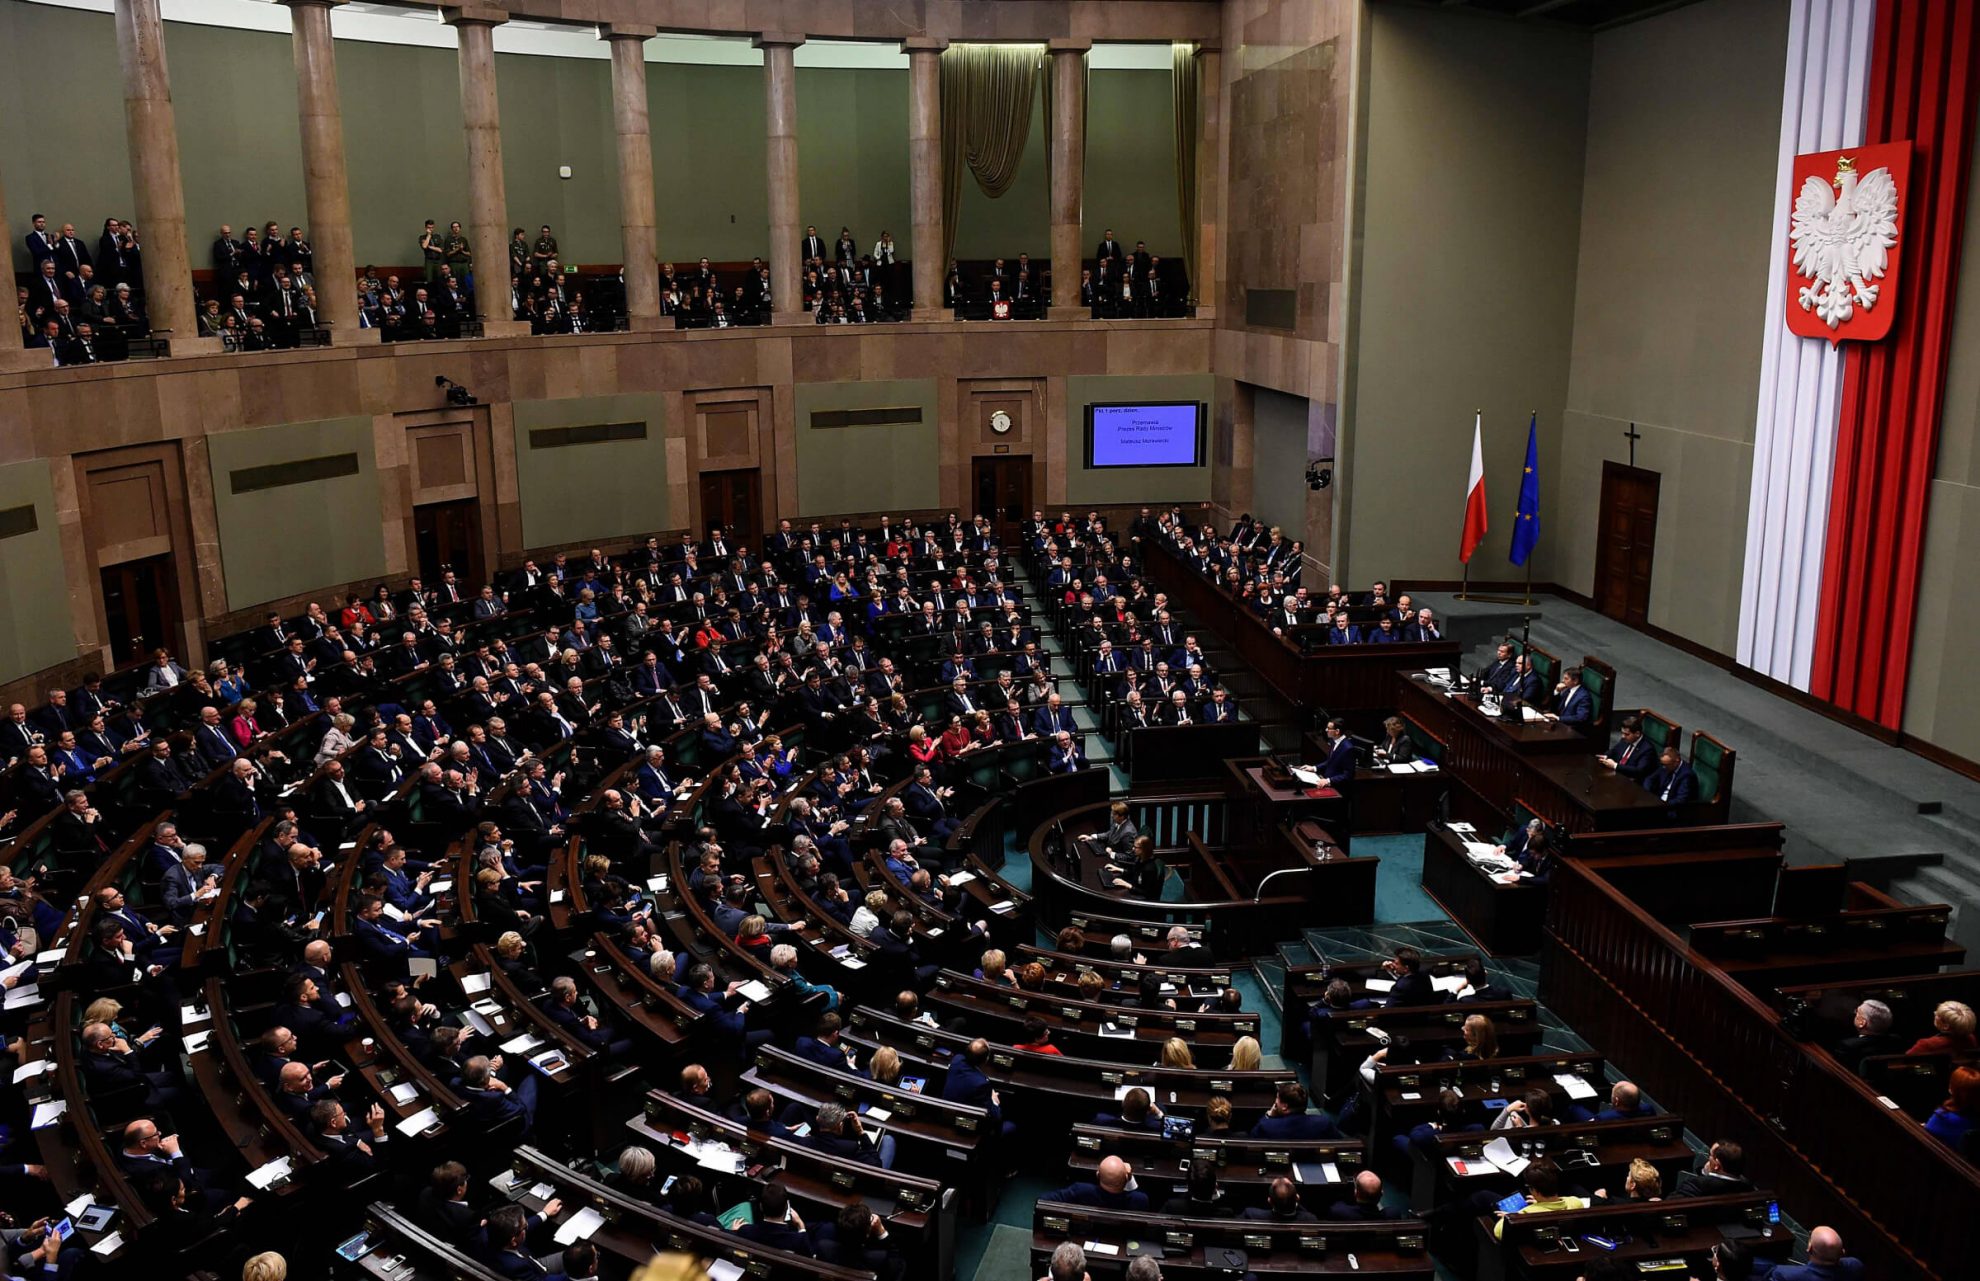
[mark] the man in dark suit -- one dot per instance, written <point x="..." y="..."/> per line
<point x="775" y="1223"/>
<point x="1412" y="985"/>
<point x="70" y="253"/>
<point x="1673" y="782"/>
<point x="1338" y="769"/>
<point x="1723" y="1173"/>
<point x="967" y="1083"/>
<point x="1366" y="1204"/>
<point x="1574" y="705"/>
<point x="1282" y="1205"/>
<point x="1872" y="1021"/>
<point x="1111" y="250"/>
<point x="1288" y="1121"/>
<point x="351" y="1153"/>
<point x="1503" y="671"/>
<point x="1632" y="756"/>
<point x="838" y="1132"/>
<point x="1108" y="1191"/>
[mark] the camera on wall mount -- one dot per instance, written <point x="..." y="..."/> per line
<point x="456" y="394"/>
<point x="1320" y="473"/>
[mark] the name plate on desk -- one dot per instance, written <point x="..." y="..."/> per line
<point x="1219" y="1087"/>
<point x="1312" y="1245"/>
<point x="1179" y="1240"/>
<point x="1258" y="1241"/>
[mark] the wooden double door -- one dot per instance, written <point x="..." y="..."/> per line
<point x="1627" y="550"/>
<point x="1002" y="489"/>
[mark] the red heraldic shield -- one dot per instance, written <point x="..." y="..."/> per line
<point x="1846" y="240"/>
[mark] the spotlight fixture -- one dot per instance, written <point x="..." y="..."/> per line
<point x="456" y="394"/>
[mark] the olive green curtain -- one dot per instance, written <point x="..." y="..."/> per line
<point x="1185" y="74"/>
<point x="987" y="96"/>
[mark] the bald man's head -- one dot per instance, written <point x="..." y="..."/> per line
<point x="1825" y="1246"/>
<point x="1368" y="1187"/>
<point x="1114" y="1175"/>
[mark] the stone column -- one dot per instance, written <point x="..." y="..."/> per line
<point x="780" y="136"/>
<point x="1068" y="143"/>
<point x="925" y="173"/>
<point x="326" y="186"/>
<point x="636" y="219"/>
<point x="1203" y="242"/>
<point x="12" y="355"/>
<point x="160" y="199"/>
<point x="488" y="202"/>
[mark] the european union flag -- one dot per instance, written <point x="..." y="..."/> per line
<point x="1526" y="526"/>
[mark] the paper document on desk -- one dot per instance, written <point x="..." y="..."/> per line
<point x="520" y="1044"/>
<point x="108" y="1245"/>
<point x="1450" y="983"/>
<point x="961" y="878"/>
<point x="1116" y="1031"/>
<point x="1310" y="777"/>
<point x="196" y="1041"/>
<point x="720" y="1160"/>
<point x="723" y="1270"/>
<point x="1575" y="1087"/>
<point x="1481" y="850"/>
<point x="267" y="1176"/>
<point x="28" y="1071"/>
<point x="404" y="1092"/>
<point x="1406" y="767"/>
<point x="1462" y="829"/>
<point x="473" y="984"/>
<point x="48" y="1113"/>
<point x="1528" y="715"/>
<point x="579" y="1226"/>
<point x="1007" y="905"/>
<point x="1424" y="766"/>
<point x="419" y="1122"/>
<point x="474" y="1019"/>
<point x="1380" y="985"/>
<point x="1500" y="1153"/>
<point x="29" y="995"/>
<point x="754" y="990"/>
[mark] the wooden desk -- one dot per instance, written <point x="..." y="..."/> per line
<point x="1259" y="805"/>
<point x="1505" y="919"/>
<point x="1244" y="1164"/>
<point x="1614" y="1144"/>
<point x="1545" y="766"/>
<point x="1687" y="1229"/>
<point x="1351" y="681"/>
<point x="1211" y="1247"/>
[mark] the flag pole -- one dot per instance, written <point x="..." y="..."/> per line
<point x="1529" y="558"/>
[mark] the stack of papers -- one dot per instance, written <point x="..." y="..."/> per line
<point x="48" y="1113"/>
<point x="404" y="1092"/>
<point x="1500" y="1153"/>
<point x="520" y="1044"/>
<point x="961" y="878"/>
<point x="267" y="1176"/>
<point x="754" y="990"/>
<point x="20" y="996"/>
<point x="579" y="1226"/>
<point x="419" y="1122"/>
<point x="1575" y="1087"/>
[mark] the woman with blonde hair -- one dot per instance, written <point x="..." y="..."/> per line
<point x="338" y="740"/>
<point x="1952" y="1026"/>
<point x="884" y="1068"/>
<point x="868" y="915"/>
<point x="1091" y="985"/>
<point x="1481" y="1040"/>
<point x="267" y="1266"/>
<point x="995" y="967"/>
<point x="1246" y="1055"/>
<point x="1175" y="1054"/>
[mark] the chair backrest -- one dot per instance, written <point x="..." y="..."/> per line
<point x="1711" y="760"/>
<point x="1661" y="730"/>
<point x="1547" y="665"/>
<point x="1424" y="742"/>
<point x="1599" y="679"/>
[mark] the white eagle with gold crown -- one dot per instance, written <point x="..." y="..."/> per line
<point x="1842" y="239"/>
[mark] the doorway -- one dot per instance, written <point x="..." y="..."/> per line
<point x="141" y="607"/>
<point x="448" y="536"/>
<point x="734" y="501"/>
<point x="1628" y="547"/>
<point x="1002" y="486"/>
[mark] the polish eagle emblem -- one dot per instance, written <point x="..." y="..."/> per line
<point x="1845" y="239"/>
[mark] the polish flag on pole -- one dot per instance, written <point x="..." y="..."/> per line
<point x="1474" y="493"/>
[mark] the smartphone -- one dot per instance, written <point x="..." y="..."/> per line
<point x="1774" y="1212"/>
<point x="1571" y="1245"/>
<point x="668" y="1186"/>
<point x="62" y="1229"/>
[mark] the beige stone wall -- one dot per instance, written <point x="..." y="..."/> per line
<point x="713" y="401"/>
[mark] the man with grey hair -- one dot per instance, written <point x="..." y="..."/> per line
<point x="1121" y="948"/>
<point x="189" y="883"/>
<point x="1068" y="1264"/>
<point x="1872" y="1036"/>
<point x="585" y="1028"/>
<point x="838" y="1131"/>
<point x="1144" y="1268"/>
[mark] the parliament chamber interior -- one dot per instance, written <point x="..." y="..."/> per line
<point x="1361" y="667"/>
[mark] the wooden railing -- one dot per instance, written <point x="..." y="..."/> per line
<point x="1904" y="1202"/>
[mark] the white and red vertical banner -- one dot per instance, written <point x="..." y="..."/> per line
<point x="1876" y="143"/>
